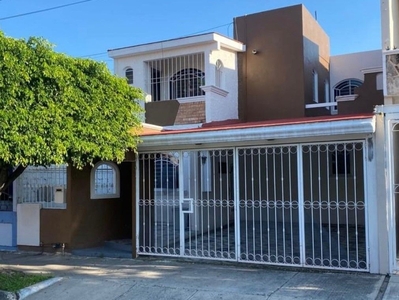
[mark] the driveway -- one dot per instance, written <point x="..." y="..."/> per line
<point x="159" y="278"/>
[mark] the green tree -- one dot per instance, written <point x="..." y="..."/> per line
<point x="55" y="109"/>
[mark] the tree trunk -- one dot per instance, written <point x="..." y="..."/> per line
<point x="7" y="178"/>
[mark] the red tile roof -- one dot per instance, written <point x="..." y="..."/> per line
<point x="236" y="124"/>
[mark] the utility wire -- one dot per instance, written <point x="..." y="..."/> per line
<point x="205" y="30"/>
<point x="43" y="10"/>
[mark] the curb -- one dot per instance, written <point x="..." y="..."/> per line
<point x="25" y="292"/>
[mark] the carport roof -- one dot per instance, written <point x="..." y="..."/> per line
<point x="234" y="133"/>
<point x="236" y="124"/>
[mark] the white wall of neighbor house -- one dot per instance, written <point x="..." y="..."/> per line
<point x="353" y="65"/>
<point x="28" y="224"/>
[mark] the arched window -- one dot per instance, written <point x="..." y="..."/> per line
<point x="186" y="83"/>
<point x="218" y="73"/>
<point x="129" y="75"/>
<point x="104" y="181"/>
<point x="346" y="87"/>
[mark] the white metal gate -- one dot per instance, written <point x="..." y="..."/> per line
<point x="301" y="204"/>
<point x="186" y="204"/>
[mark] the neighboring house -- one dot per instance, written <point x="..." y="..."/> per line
<point x="8" y="220"/>
<point x="259" y="149"/>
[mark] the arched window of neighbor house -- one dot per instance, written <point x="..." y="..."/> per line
<point x="346" y="87"/>
<point x="129" y="75"/>
<point x="104" y="180"/>
<point x="218" y="73"/>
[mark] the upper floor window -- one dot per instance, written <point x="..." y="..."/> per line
<point x="129" y="75"/>
<point x="104" y="181"/>
<point x="346" y="87"/>
<point x="218" y="73"/>
<point x="175" y="77"/>
<point x="327" y="91"/>
<point x="315" y="86"/>
<point x="186" y="83"/>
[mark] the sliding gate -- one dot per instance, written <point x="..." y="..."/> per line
<point x="300" y="205"/>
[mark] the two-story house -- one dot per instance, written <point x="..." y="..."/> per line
<point x="260" y="148"/>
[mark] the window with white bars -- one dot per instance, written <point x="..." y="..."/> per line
<point x="104" y="181"/>
<point x="39" y="184"/>
<point x="346" y="87"/>
<point x="176" y="77"/>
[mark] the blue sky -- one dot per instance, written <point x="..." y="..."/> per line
<point x="93" y="27"/>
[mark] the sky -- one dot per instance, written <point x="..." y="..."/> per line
<point x="90" y="28"/>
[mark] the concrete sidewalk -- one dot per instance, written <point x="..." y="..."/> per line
<point x="159" y="278"/>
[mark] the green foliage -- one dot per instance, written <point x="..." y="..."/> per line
<point x="56" y="109"/>
<point x="12" y="281"/>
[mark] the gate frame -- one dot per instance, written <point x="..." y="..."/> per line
<point x="235" y="149"/>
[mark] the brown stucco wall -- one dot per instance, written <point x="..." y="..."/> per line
<point x="271" y="81"/>
<point x="89" y="222"/>
<point x="368" y="97"/>
<point x="162" y="113"/>
<point x="277" y="81"/>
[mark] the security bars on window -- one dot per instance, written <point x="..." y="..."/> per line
<point x="175" y="77"/>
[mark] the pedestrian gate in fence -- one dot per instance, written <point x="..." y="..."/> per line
<point x="300" y="205"/>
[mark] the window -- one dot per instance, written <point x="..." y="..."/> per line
<point x="346" y="87"/>
<point x="129" y="75"/>
<point x="327" y="91"/>
<point x="166" y="173"/>
<point x="218" y="73"/>
<point x="186" y="83"/>
<point x="104" y="181"/>
<point x="315" y="86"/>
<point x="341" y="159"/>
<point x="174" y="77"/>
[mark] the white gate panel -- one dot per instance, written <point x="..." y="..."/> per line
<point x="300" y="205"/>
<point x="268" y="205"/>
<point x="334" y="205"/>
<point x="186" y="204"/>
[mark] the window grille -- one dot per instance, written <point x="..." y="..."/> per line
<point x="186" y="83"/>
<point x="346" y="87"/>
<point x="175" y="77"/>
<point x="36" y="185"/>
<point x="105" y="181"/>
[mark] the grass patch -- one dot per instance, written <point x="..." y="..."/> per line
<point x="12" y="281"/>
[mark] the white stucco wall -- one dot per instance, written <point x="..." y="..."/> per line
<point x="217" y="108"/>
<point x="351" y="65"/>
<point x="28" y="224"/>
